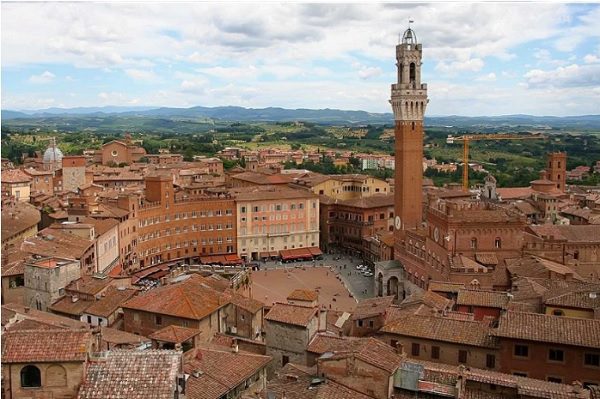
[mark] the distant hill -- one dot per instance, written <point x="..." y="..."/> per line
<point x="322" y="116"/>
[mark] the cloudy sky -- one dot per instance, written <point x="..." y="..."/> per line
<point x="479" y="59"/>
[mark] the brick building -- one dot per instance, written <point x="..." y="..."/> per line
<point x="42" y="181"/>
<point x="551" y="348"/>
<point x="171" y="228"/>
<point x="73" y="172"/>
<point x="443" y="339"/>
<point x="119" y="152"/>
<point x="482" y="303"/>
<point x="350" y="224"/>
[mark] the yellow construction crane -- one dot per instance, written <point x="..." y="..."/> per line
<point x="476" y="137"/>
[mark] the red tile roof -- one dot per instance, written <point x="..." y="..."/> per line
<point x="211" y="362"/>
<point x="110" y="301"/>
<point x="372" y="307"/>
<point x="291" y="314"/>
<point x="191" y="298"/>
<point x="132" y="374"/>
<point x="490" y="299"/>
<point x="303" y="295"/>
<point x="15" y="176"/>
<point x="551" y="329"/>
<point x="18" y="217"/>
<point x="445" y="329"/>
<point x="43" y="345"/>
<point x="174" y="334"/>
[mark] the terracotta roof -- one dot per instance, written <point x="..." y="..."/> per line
<point x="17" y="217"/>
<point x="571" y="233"/>
<point x="212" y="382"/>
<point x="445" y="329"/>
<point x="294" y="381"/>
<point x="248" y="304"/>
<point x="291" y="314"/>
<point x="261" y="193"/>
<point x="110" y="301"/>
<point x="490" y="299"/>
<point x="546" y="328"/>
<point x="15" y="176"/>
<point x="33" y="346"/>
<point x="525" y="387"/>
<point x="260" y="178"/>
<point x="132" y="374"/>
<point x="55" y="243"/>
<point x="428" y="298"/>
<point x="191" y="298"/>
<point x="372" y="201"/>
<point x="66" y="305"/>
<point x="101" y="226"/>
<point x="30" y="324"/>
<point x="379" y="354"/>
<point x="23" y="312"/>
<point x="533" y="266"/>
<point x="445" y="286"/>
<point x="174" y="334"/>
<point x="119" y="337"/>
<point x="327" y="342"/>
<point x="13" y="260"/>
<point x="583" y="299"/>
<point x="372" y="307"/>
<point x="303" y="295"/>
<point x="514" y="192"/>
<point x="88" y="285"/>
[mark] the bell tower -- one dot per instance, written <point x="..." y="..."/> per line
<point x="409" y="100"/>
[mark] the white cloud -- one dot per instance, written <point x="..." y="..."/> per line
<point x="490" y="77"/>
<point x="591" y="59"/>
<point x="44" y="77"/>
<point x="570" y="76"/>
<point x="452" y="68"/>
<point x="369" y="72"/>
<point x="140" y="74"/>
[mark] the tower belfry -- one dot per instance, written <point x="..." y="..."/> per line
<point x="409" y="101"/>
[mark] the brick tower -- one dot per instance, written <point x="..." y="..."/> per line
<point x="409" y="100"/>
<point x="557" y="169"/>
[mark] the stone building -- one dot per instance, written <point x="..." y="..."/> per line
<point x="272" y="219"/>
<point x="289" y="329"/>
<point x="73" y="172"/>
<point x="44" y="363"/>
<point x="46" y="280"/>
<point x="189" y="303"/>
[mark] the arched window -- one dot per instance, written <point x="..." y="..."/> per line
<point x="498" y="242"/>
<point x="56" y="376"/>
<point x="31" y="377"/>
<point x="413" y="72"/>
<point x="474" y="243"/>
<point x="400" y="70"/>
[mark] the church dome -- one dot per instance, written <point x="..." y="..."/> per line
<point x="53" y="154"/>
<point x="409" y="37"/>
